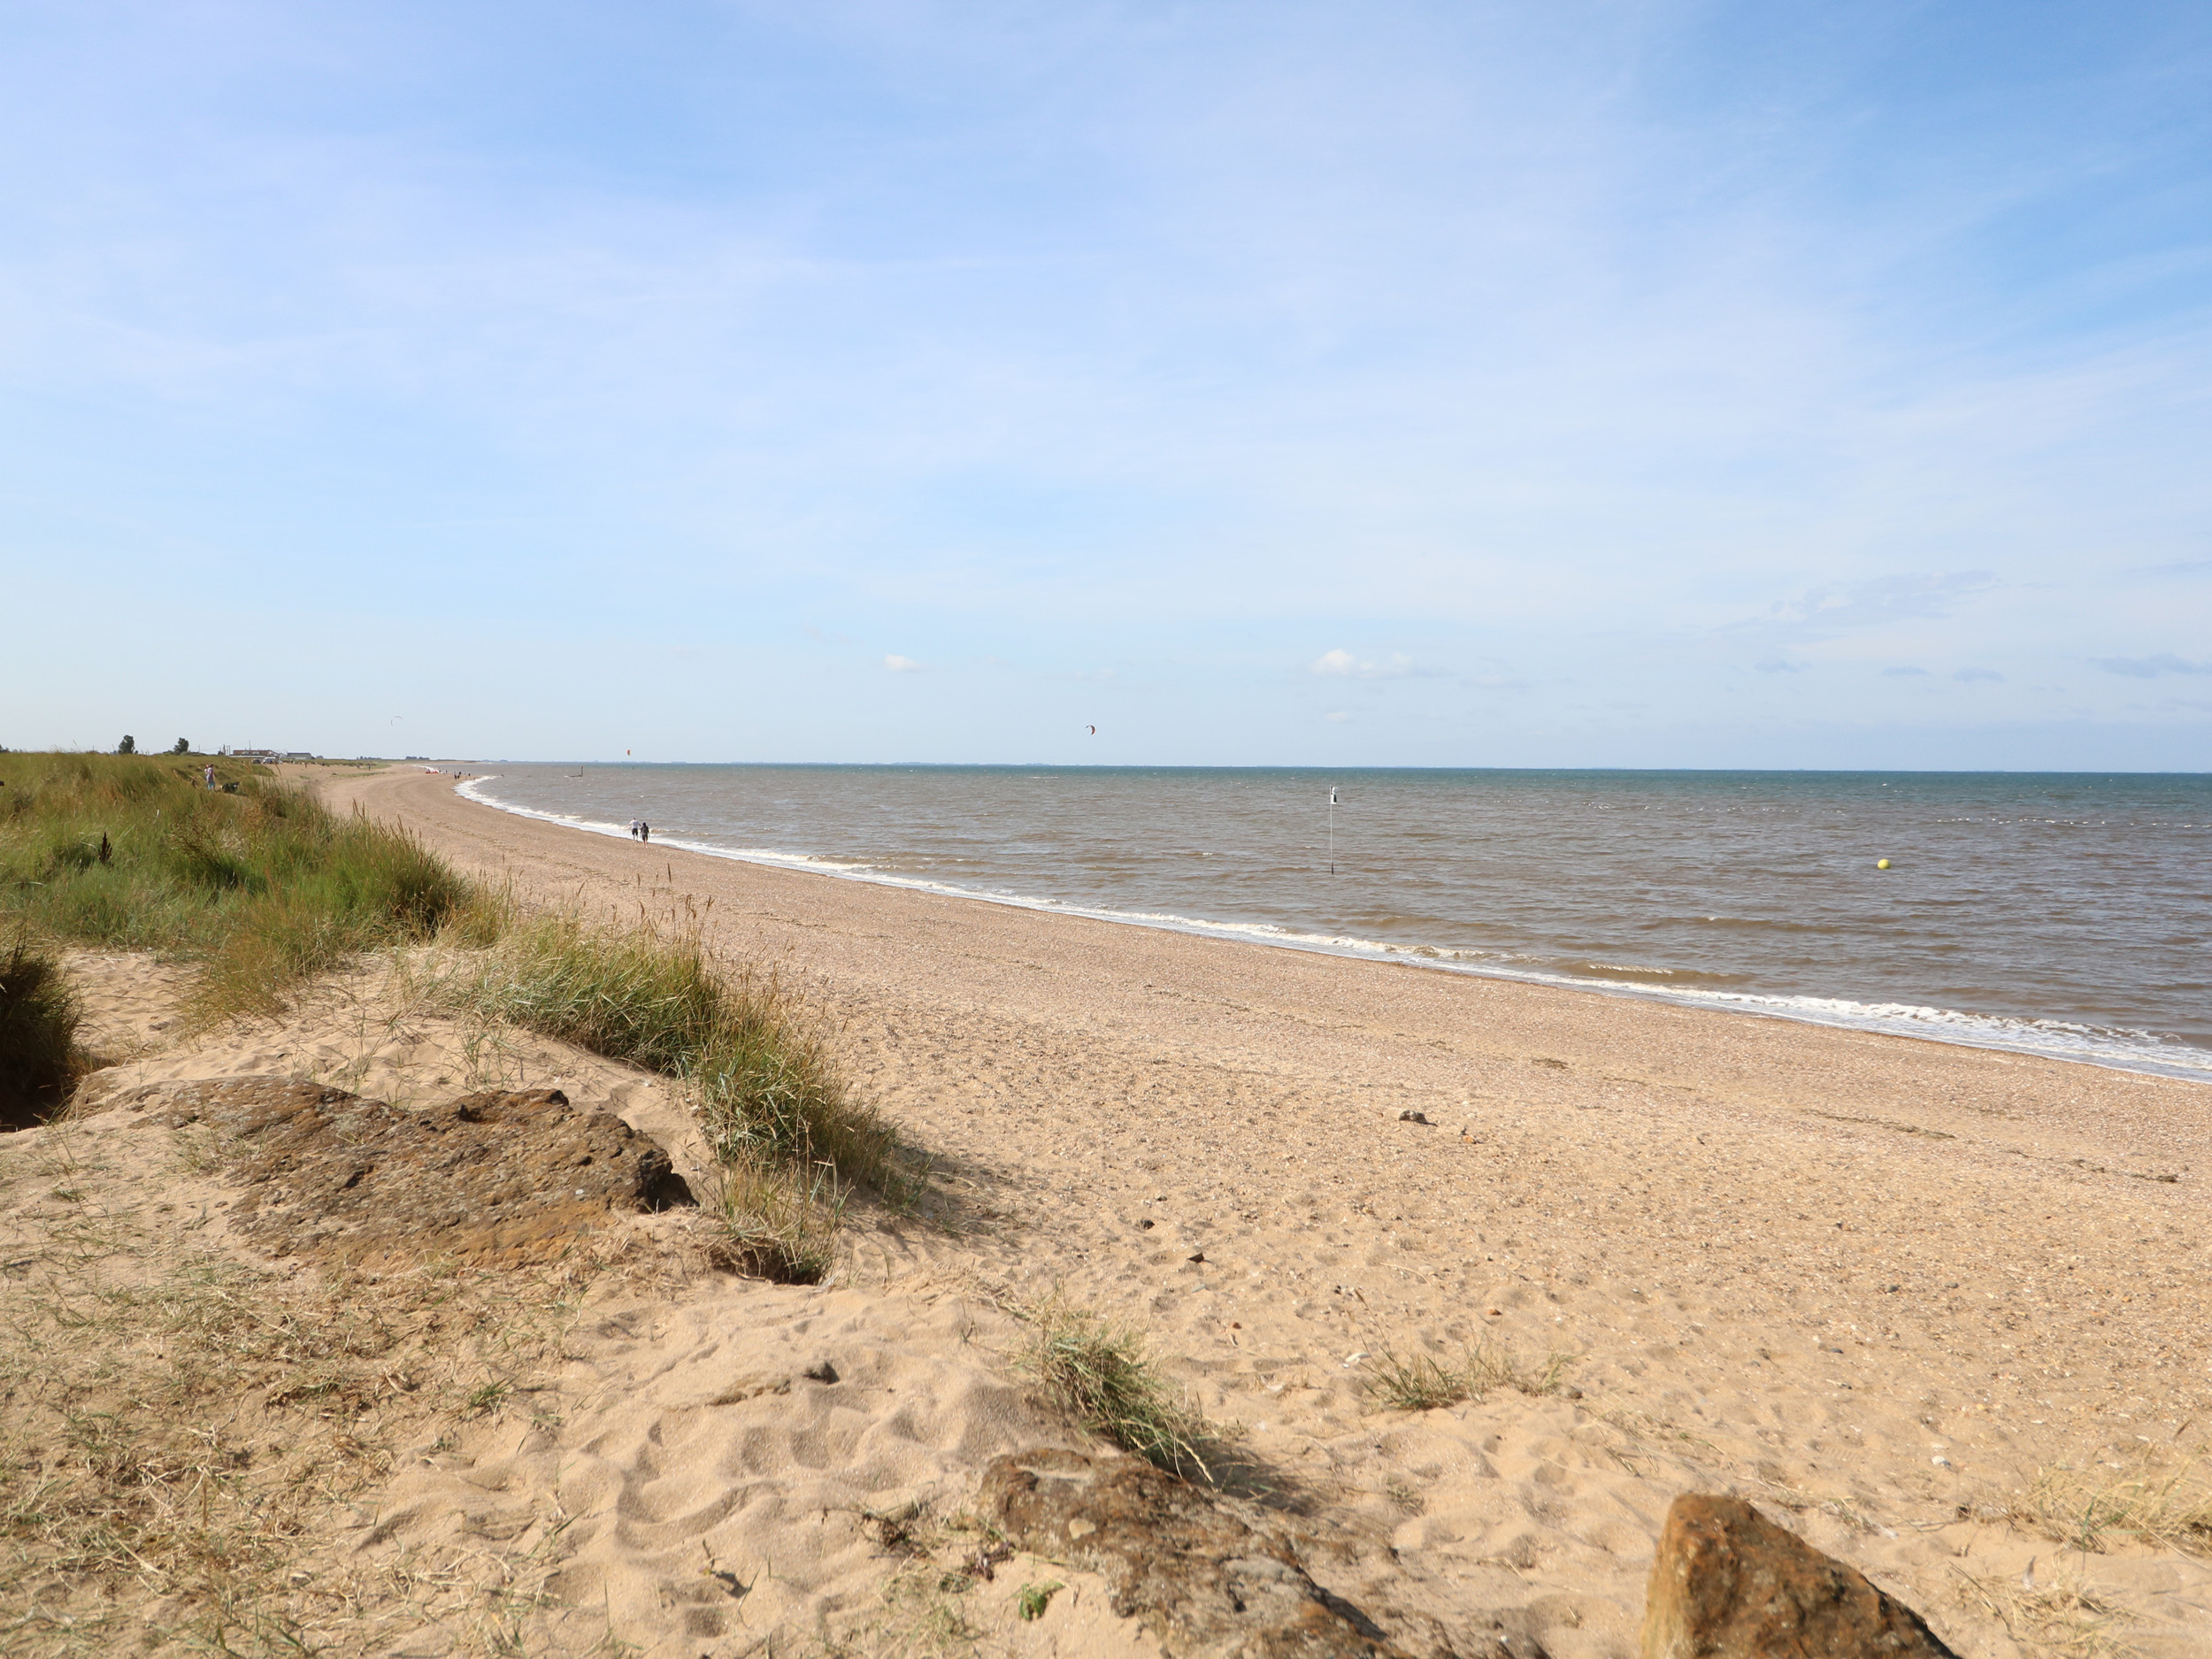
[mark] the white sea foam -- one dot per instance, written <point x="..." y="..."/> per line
<point x="2049" y="1038"/>
<point x="2111" y="1047"/>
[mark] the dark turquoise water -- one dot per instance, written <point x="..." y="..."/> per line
<point x="2066" y="914"/>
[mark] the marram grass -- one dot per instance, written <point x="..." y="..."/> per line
<point x="1098" y="1371"/>
<point x="39" y="1020"/>
<point x="266" y="888"/>
<point x="764" y="1085"/>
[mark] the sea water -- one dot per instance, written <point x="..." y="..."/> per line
<point x="2068" y="915"/>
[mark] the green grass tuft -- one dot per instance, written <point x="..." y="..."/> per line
<point x="780" y="1219"/>
<point x="1097" y="1370"/>
<point x="1422" y="1383"/>
<point x="766" y="1088"/>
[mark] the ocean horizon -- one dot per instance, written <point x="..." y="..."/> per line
<point x="2063" y="914"/>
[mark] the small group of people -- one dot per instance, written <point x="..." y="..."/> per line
<point x="641" y="830"/>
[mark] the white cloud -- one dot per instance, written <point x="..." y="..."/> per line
<point x="1967" y="676"/>
<point x="1338" y="716"/>
<point x="1837" y="607"/>
<point x="1342" y="665"/>
<point x="899" y="664"/>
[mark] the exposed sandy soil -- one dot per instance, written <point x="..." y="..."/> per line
<point x="1876" y="1284"/>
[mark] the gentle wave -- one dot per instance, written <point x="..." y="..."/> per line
<point x="2116" y="1048"/>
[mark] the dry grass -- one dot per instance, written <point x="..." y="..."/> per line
<point x="2155" y="1496"/>
<point x="1423" y="1382"/>
<point x="1097" y="1370"/>
<point x="180" y="1433"/>
<point x="780" y="1221"/>
<point x="2055" y="1614"/>
<point x="933" y="1598"/>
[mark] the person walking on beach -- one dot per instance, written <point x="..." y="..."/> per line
<point x="644" y="831"/>
<point x="633" y="829"/>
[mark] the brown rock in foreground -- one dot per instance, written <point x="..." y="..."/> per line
<point x="1202" y="1579"/>
<point x="497" y="1179"/>
<point x="1730" y="1584"/>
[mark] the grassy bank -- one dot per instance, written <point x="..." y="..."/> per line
<point x="256" y="880"/>
<point x="265" y="888"/>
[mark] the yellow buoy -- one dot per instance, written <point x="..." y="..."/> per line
<point x="1881" y="863"/>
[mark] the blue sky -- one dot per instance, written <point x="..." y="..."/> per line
<point x="1645" y="384"/>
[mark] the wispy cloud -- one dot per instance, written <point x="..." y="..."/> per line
<point x="1968" y="676"/>
<point x="899" y="664"/>
<point x="2151" y="667"/>
<point x="1838" y="608"/>
<point x="1904" y="674"/>
<point x="1340" y="664"/>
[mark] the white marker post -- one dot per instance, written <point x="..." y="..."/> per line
<point x="1332" y="829"/>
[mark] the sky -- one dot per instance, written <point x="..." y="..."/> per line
<point x="1636" y="384"/>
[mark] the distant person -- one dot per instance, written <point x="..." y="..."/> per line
<point x="211" y="777"/>
<point x="644" y="831"/>
<point x="633" y="829"/>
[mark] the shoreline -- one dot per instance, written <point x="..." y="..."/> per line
<point x="1906" y="1021"/>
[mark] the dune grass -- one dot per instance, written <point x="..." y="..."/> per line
<point x="2159" y="1497"/>
<point x="791" y="1143"/>
<point x="780" y="1219"/>
<point x="1423" y="1382"/>
<point x="1099" y="1372"/>
<point x="40" y="1057"/>
<point x="765" y="1088"/>
<point x="266" y="885"/>
<point x="267" y="888"/>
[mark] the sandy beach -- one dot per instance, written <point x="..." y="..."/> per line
<point x="1914" y="1300"/>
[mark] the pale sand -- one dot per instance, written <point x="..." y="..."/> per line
<point x="1874" y="1283"/>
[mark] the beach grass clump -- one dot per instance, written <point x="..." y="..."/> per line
<point x="1421" y="1382"/>
<point x="765" y="1089"/>
<point x="1098" y="1371"/>
<point x="2155" y="1498"/>
<point x="39" y="1018"/>
<point x="780" y="1219"/>
<point x="2053" y="1613"/>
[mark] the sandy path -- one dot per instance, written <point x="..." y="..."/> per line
<point x="1881" y="1282"/>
